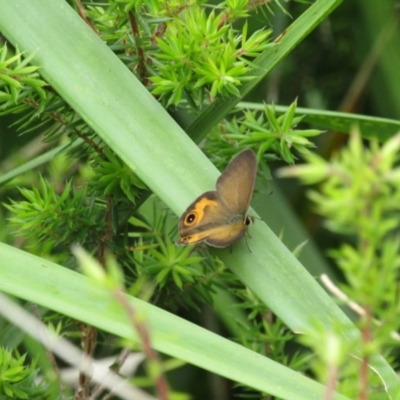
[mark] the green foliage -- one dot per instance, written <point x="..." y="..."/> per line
<point x="189" y="55"/>
<point x="17" y="380"/>
<point x="181" y="278"/>
<point x="267" y="335"/>
<point x="271" y="136"/>
<point x="358" y="194"/>
<point x="59" y="218"/>
<point x="18" y="79"/>
<point x="186" y="53"/>
<point x="113" y="177"/>
<point x="202" y="51"/>
<point x="331" y="353"/>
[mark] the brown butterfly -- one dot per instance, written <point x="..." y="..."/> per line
<point x="218" y="217"/>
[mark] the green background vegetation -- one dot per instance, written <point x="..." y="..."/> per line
<point x="136" y="138"/>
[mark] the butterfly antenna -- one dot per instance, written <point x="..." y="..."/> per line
<point x="253" y="216"/>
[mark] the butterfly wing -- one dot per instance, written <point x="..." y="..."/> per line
<point x="220" y="236"/>
<point x="204" y="217"/>
<point x="225" y="235"/>
<point x="218" y="217"/>
<point x="236" y="184"/>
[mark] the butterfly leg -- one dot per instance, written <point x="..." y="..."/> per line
<point x="248" y="244"/>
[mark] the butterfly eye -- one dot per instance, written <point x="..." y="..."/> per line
<point x="191" y="219"/>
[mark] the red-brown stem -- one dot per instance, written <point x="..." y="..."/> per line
<point x="331" y="384"/>
<point x="58" y="118"/>
<point x="106" y="237"/>
<point x="82" y="13"/>
<point x="89" y="336"/>
<point x="251" y="5"/>
<point x="142" y="58"/>
<point x="223" y="20"/>
<point x="144" y="337"/>
<point x="269" y="317"/>
<point x="89" y="333"/>
<point x="161" y="28"/>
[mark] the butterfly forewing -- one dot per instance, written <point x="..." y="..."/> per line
<point x="236" y="184"/>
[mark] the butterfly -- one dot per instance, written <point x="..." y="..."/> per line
<point x="219" y="217"/>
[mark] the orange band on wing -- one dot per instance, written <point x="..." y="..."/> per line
<point x="194" y="238"/>
<point x="201" y="205"/>
<point x="198" y="210"/>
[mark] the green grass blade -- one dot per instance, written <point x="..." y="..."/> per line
<point x="280" y="217"/>
<point x="37" y="161"/>
<point x="381" y="128"/>
<point x="45" y="283"/>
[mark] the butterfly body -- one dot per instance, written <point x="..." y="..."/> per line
<point x="218" y="217"/>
